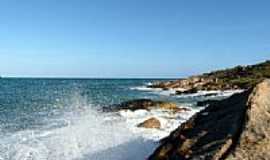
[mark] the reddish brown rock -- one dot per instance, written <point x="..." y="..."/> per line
<point x="150" y="123"/>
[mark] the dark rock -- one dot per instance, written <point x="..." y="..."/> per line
<point x="210" y="94"/>
<point x="237" y="128"/>
<point x="131" y="105"/>
<point x="146" y="104"/>
<point x="150" y="123"/>
<point x="206" y="102"/>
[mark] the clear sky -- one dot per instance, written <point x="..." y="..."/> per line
<point x="130" y="38"/>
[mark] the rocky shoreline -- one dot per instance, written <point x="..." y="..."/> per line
<point x="236" y="128"/>
<point x="240" y="77"/>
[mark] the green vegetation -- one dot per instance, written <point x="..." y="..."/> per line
<point x="239" y="77"/>
<point x="242" y="76"/>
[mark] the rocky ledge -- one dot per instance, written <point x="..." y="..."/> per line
<point x="145" y="104"/>
<point x="237" y="128"/>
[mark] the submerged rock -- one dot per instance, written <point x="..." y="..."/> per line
<point x="150" y="123"/>
<point x="237" y="128"/>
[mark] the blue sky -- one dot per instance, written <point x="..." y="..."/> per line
<point x="130" y="38"/>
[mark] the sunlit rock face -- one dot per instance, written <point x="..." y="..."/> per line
<point x="254" y="142"/>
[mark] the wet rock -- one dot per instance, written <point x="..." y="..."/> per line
<point x="237" y="128"/>
<point x="167" y="105"/>
<point x="145" y="104"/>
<point x="210" y="94"/>
<point x="177" y="110"/>
<point x="206" y="102"/>
<point x="150" y="123"/>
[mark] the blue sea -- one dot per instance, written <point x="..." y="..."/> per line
<point x="62" y="119"/>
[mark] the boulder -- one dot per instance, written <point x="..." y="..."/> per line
<point x="236" y="128"/>
<point x="150" y="123"/>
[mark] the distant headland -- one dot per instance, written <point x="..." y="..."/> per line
<point x="239" y="77"/>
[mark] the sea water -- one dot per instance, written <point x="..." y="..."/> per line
<point x="62" y="119"/>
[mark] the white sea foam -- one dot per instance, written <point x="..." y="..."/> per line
<point x="82" y="133"/>
<point x="172" y="91"/>
<point x="145" y="88"/>
<point x="159" y="91"/>
<point x="217" y="93"/>
<point x="89" y="135"/>
<point x="169" y="121"/>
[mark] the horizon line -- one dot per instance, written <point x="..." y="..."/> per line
<point x="71" y="77"/>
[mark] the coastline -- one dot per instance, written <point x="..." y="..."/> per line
<point x="220" y="86"/>
<point x="234" y="128"/>
<point x="68" y="121"/>
<point x="168" y="120"/>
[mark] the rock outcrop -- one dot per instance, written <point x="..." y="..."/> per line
<point x="146" y="104"/>
<point x="237" y="128"/>
<point x="254" y="141"/>
<point x="150" y="123"/>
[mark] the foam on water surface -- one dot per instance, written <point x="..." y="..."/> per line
<point x="169" y="121"/>
<point x="85" y="136"/>
<point x="172" y="91"/>
<point x="218" y="93"/>
<point x="89" y="134"/>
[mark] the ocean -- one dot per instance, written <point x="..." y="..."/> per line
<point x="62" y="119"/>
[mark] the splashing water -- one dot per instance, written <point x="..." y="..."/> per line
<point x="54" y="120"/>
<point x="87" y="135"/>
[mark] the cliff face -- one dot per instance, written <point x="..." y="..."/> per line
<point x="240" y="77"/>
<point x="236" y="128"/>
